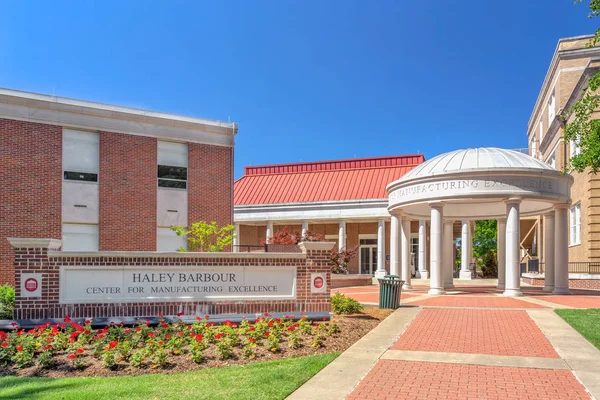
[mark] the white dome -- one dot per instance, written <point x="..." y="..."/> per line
<point x="485" y="158"/>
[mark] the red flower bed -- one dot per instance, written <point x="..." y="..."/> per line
<point x="70" y="346"/>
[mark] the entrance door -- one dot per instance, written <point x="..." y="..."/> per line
<point x="368" y="256"/>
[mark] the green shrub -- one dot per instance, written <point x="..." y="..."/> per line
<point x="341" y="304"/>
<point x="7" y="301"/>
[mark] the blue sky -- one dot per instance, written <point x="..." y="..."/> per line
<point x="305" y="80"/>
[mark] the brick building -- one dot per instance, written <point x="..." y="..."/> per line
<point x="345" y="200"/>
<point x="571" y="67"/>
<point x="105" y="177"/>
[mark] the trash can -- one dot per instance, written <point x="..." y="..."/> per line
<point x="390" y="287"/>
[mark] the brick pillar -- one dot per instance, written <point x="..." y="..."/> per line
<point x="317" y="265"/>
<point x="31" y="261"/>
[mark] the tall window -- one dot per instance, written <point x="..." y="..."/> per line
<point x="574" y="149"/>
<point x="551" y="106"/>
<point x="552" y="160"/>
<point x="541" y="130"/>
<point x="80" y="156"/>
<point x="533" y="148"/>
<point x="80" y="190"/>
<point x="172" y="165"/>
<point x="575" y="224"/>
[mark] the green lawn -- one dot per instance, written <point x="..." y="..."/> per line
<point x="261" y="380"/>
<point x="586" y="322"/>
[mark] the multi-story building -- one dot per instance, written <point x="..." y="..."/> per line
<point x="571" y="67"/>
<point x="105" y="177"/>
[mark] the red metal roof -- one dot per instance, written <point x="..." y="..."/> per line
<point x="351" y="179"/>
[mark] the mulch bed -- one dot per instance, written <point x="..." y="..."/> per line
<point x="353" y="327"/>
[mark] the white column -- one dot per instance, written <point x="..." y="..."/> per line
<point x="549" y="252"/>
<point x="466" y="250"/>
<point x="395" y="245"/>
<point x="269" y="231"/>
<point x="561" y="249"/>
<point x="436" y="283"/>
<point x="236" y="238"/>
<point x="513" y="239"/>
<point x="405" y="254"/>
<point x="304" y="228"/>
<point x="342" y="236"/>
<point x="501" y="253"/>
<point x="448" y="244"/>
<point x="380" y="273"/>
<point x="422" y="272"/>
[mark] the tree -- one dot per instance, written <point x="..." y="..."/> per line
<point x="285" y="237"/>
<point x="485" y="243"/>
<point x="339" y="259"/>
<point x="584" y="129"/>
<point x="205" y="237"/>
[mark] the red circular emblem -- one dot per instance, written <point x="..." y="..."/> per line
<point x="31" y="285"/>
<point x="318" y="282"/>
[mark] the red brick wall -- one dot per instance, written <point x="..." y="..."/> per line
<point x="30" y="188"/>
<point x="37" y="260"/>
<point x="573" y="283"/>
<point x="128" y="186"/>
<point x="210" y="184"/>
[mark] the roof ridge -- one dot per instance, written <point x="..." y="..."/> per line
<point x="355" y="159"/>
<point x="331" y="170"/>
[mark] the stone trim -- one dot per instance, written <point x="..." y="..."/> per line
<point x="316" y="246"/>
<point x="21" y="243"/>
<point x="81" y="114"/>
<point x="169" y="254"/>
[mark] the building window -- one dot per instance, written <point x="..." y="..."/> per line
<point x="80" y="156"/>
<point x="551" y="107"/>
<point x="172" y="177"/>
<point x="552" y="160"/>
<point x="414" y="249"/>
<point x="533" y="148"/>
<point x="575" y="224"/>
<point x="574" y="149"/>
<point x="172" y="165"/>
<point x="541" y="130"/>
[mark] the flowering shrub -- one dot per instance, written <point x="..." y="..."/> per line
<point x="142" y="345"/>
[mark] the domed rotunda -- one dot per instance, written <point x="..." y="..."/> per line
<point x="481" y="184"/>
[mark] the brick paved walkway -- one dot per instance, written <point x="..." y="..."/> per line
<point x="498" y="332"/>
<point x="425" y="380"/>
<point x="506" y="355"/>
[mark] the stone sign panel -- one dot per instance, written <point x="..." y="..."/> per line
<point x="122" y="284"/>
<point x="31" y="285"/>
<point x="318" y="283"/>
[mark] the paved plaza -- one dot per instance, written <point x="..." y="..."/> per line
<point x="472" y="343"/>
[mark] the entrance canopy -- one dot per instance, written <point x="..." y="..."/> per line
<point x="474" y="182"/>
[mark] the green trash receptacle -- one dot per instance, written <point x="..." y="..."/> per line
<point x="390" y="287"/>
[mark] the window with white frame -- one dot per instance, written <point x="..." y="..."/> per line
<point x="533" y="148"/>
<point x="541" y="129"/>
<point x="574" y="149"/>
<point x="551" y="106"/>
<point x="552" y="160"/>
<point x="172" y="165"/>
<point x="80" y="155"/>
<point x="575" y="224"/>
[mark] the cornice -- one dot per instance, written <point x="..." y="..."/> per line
<point x="87" y="115"/>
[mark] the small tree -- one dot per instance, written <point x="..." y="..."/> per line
<point x="285" y="237"/>
<point x="339" y="259"/>
<point x="206" y="237"/>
